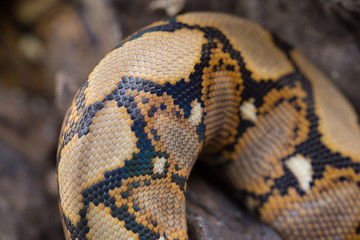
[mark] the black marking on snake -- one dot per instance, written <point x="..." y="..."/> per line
<point x="313" y="147"/>
<point x="284" y="182"/>
<point x="81" y="127"/>
<point x="66" y="121"/>
<point x="80" y="97"/>
<point x="200" y="129"/>
<point x="171" y="26"/>
<point x="179" y="180"/>
<point x="282" y="45"/>
<point x="320" y="155"/>
<point x="357" y="230"/>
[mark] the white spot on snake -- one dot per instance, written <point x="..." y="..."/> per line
<point x="196" y="113"/>
<point x="162" y="238"/>
<point x="302" y="170"/>
<point x="159" y="165"/>
<point x="248" y="111"/>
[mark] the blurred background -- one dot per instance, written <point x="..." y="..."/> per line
<point x="47" y="49"/>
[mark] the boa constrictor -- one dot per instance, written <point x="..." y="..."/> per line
<point x="287" y="139"/>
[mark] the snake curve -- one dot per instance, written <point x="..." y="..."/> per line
<point x="287" y="139"/>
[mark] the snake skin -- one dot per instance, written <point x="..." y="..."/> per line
<point x="287" y="139"/>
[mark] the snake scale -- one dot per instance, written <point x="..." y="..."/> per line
<point x="286" y="139"/>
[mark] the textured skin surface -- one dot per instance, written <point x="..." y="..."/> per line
<point x="285" y="138"/>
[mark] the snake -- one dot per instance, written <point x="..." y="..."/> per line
<point x="271" y="124"/>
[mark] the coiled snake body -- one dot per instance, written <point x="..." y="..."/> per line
<point x="287" y="140"/>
